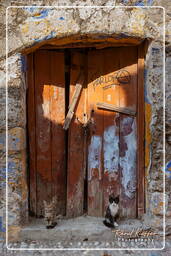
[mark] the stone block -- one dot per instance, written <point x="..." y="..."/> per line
<point x="16" y="139"/>
<point x="157" y="203"/>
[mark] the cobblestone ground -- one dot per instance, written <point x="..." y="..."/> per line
<point x="28" y="244"/>
<point x="84" y="232"/>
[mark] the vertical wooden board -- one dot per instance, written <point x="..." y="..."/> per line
<point x="75" y="175"/>
<point x="128" y="132"/>
<point x="43" y="129"/>
<point x="111" y="185"/>
<point x="57" y="113"/>
<point x="127" y="77"/>
<point x="128" y="165"/>
<point x="140" y="133"/>
<point x="95" y="167"/>
<point x="31" y="133"/>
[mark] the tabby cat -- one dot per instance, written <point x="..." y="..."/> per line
<point x="50" y="213"/>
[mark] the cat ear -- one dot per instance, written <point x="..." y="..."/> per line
<point x="117" y="199"/>
<point x="54" y="199"/>
<point x="44" y="202"/>
<point x="111" y="199"/>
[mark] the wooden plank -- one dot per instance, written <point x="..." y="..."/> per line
<point x="57" y="116"/>
<point x="127" y="78"/>
<point x="75" y="176"/>
<point x="128" y="165"/>
<point x="141" y="133"/>
<point x="74" y="100"/>
<point x="43" y="129"/>
<point x="31" y="134"/>
<point x="112" y="107"/>
<point x="95" y="166"/>
<point x="111" y="176"/>
<point x="128" y="135"/>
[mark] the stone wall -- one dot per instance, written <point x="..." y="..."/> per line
<point x="29" y="28"/>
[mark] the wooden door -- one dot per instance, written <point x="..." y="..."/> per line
<point x="113" y="151"/>
<point x="105" y="139"/>
<point x="46" y="113"/>
<point x="76" y="140"/>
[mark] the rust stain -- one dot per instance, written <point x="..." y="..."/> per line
<point x="148" y="140"/>
<point x="148" y="115"/>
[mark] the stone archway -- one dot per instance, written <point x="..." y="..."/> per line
<point x="39" y="26"/>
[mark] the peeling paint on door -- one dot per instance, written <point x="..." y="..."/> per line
<point x="128" y="160"/>
<point x="94" y="156"/>
<point x="111" y="149"/>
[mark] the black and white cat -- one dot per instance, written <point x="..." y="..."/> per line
<point x="112" y="212"/>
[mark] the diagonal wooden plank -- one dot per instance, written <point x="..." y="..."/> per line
<point x="75" y="172"/>
<point x="115" y="108"/>
<point x="78" y="88"/>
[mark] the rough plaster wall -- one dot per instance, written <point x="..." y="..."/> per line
<point x="139" y="23"/>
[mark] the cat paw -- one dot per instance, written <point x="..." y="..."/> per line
<point x="51" y="226"/>
<point x="116" y="224"/>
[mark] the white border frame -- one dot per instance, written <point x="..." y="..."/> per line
<point x="82" y="249"/>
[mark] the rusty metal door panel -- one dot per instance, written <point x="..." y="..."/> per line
<point x="75" y="172"/>
<point x="48" y="146"/>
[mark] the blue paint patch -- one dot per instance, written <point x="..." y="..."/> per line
<point x="61" y="18"/>
<point x="31" y="9"/>
<point x="168" y="169"/>
<point x="149" y="2"/>
<point x="2" y="140"/>
<point x="51" y="35"/>
<point x="155" y="254"/>
<point x="139" y="3"/>
<point x="94" y="152"/>
<point x="23" y="63"/>
<point x="122" y="35"/>
<point x="2" y="176"/>
<point x="2" y="229"/>
<point x="110" y="149"/>
<point x="155" y="51"/>
<point x="145" y="88"/>
<point x="43" y="14"/>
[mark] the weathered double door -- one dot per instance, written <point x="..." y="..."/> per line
<point x="102" y="152"/>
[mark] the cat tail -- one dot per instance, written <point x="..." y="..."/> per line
<point x="59" y="216"/>
<point x="107" y="224"/>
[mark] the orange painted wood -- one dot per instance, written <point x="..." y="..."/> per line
<point x="111" y="107"/>
<point x="128" y="134"/>
<point x="57" y="116"/>
<point x="115" y="146"/>
<point x="46" y="113"/>
<point x="31" y="134"/>
<point x="128" y="77"/>
<point x="43" y="129"/>
<point x="74" y="100"/>
<point x="75" y="172"/>
<point x="95" y="161"/>
<point x="141" y="133"/>
<point x="111" y="176"/>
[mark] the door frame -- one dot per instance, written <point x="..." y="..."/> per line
<point x="140" y="127"/>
